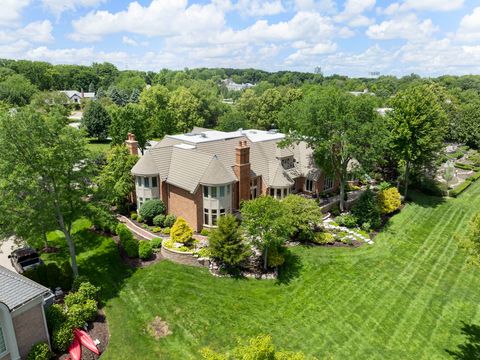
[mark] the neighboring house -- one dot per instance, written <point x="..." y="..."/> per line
<point x="207" y="173"/>
<point x="77" y="96"/>
<point x="364" y="92"/>
<point x="233" y="86"/>
<point x="22" y="316"/>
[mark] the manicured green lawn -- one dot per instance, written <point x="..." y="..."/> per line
<point x="403" y="298"/>
<point x="98" y="146"/>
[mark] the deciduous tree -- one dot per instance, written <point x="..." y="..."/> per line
<point x="44" y="172"/>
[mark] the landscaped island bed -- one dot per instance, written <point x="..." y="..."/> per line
<point x="404" y="297"/>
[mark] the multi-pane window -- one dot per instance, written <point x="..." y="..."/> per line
<point x="328" y="183"/>
<point x="288" y="163"/>
<point x="139" y="181"/>
<point x="279" y="193"/>
<point x="217" y="201"/>
<point x="309" y="185"/>
<point x="3" y="346"/>
<point x="146" y="182"/>
<point x="154" y="181"/>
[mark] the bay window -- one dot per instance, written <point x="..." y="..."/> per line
<point x="217" y="201"/>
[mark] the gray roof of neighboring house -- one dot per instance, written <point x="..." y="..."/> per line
<point x="16" y="290"/>
<point x="189" y="160"/>
<point x="71" y="93"/>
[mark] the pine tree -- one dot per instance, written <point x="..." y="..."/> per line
<point x="135" y="96"/>
<point x="226" y="242"/>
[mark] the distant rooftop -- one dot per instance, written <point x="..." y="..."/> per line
<point x="216" y="135"/>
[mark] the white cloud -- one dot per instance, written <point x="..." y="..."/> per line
<point x="11" y="11"/>
<point x="128" y="41"/>
<point x="310" y="52"/>
<point x="423" y="5"/>
<point x="353" y="11"/>
<point x="402" y="27"/>
<point x="35" y="32"/>
<point x="322" y="6"/>
<point x="260" y="7"/>
<point x="59" y="6"/>
<point x="469" y="29"/>
<point x="160" y="18"/>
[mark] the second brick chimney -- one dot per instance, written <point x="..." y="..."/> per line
<point x="242" y="171"/>
<point x="132" y="144"/>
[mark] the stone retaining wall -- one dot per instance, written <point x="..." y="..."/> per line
<point x="184" y="258"/>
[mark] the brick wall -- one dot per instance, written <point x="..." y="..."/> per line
<point x="189" y="206"/>
<point x="29" y="329"/>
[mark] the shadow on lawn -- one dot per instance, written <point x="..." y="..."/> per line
<point x="426" y="201"/>
<point x="469" y="350"/>
<point x="290" y="269"/>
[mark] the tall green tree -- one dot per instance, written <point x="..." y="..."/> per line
<point x="186" y="109"/>
<point x="44" y="172"/>
<point x="265" y="223"/>
<point x="417" y="127"/>
<point x="129" y="119"/>
<point x="115" y="182"/>
<point x="160" y="118"/>
<point x="96" y="120"/>
<point x="339" y="127"/>
<point x="17" y="90"/>
<point x="226" y="242"/>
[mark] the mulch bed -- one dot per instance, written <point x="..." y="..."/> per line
<point x="97" y="330"/>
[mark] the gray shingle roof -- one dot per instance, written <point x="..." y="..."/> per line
<point x="217" y="173"/>
<point x="16" y="290"/>
<point x="185" y="165"/>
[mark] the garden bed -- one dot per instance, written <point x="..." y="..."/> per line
<point x="183" y="257"/>
<point x="97" y="330"/>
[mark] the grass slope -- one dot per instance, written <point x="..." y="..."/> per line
<point x="403" y="298"/>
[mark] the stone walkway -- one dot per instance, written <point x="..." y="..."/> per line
<point x="352" y="235"/>
<point x="137" y="230"/>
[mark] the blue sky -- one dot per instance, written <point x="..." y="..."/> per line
<point x="353" y="37"/>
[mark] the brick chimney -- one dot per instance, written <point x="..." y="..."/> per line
<point x="242" y="171"/>
<point x="132" y="144"/>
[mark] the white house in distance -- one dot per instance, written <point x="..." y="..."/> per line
<point x="77" y="96"/>
<point x="233" y="86"/>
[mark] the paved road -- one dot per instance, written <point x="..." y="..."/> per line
<point x="6" y="250"/>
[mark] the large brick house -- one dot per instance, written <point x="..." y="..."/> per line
<point x="22" y="316"/>
<point x="207" y="173"/>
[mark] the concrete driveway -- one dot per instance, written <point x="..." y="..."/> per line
<point x="5" y="250"/>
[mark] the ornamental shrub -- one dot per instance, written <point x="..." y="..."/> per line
<point x="169" y="221"/>
<point x="145" y="250"/>
<point x="156" y="243"/>
<point x="389" y="200"/>
<point x="226" y="243"/>
<point x="88" y="291"/>
<point x="128" y="243"/>
<point x="323" y="238"/>
<point x="133" y="216"/>
<point x="157" y="229"/>
<point x="78" y="281"/>
<point x="139" y="219"/>
<point x="62" y="337"/>
<point x="166" y="231"/>
<point x="159" y="220"/>
<point x="74" y="298"/>
<point x="303" y="215"/>
<point x="460" y="188"/>
<point x="366" y="209"/>
<point x="181" y="232"/>
<point x="79" y="314"/>
<point x="150" y="209"/>
<point x="347" y="220"/>
<point x="39" y="351"/>
<point x="275" y="256"/>
<point x="205" y="232"/>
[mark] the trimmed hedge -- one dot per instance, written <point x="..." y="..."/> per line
<point x="152" y="208"/>
<point x="463" y="166"/>
<point x="461" y="188"/>
<point x="128" y="243"/>
<point x="145" y="250"/>
<point x="51" y="275"/>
